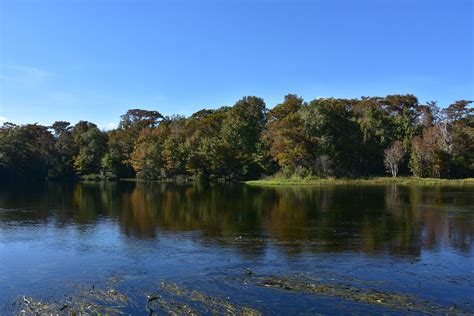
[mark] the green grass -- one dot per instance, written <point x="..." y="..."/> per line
<point x="273" y="181"/>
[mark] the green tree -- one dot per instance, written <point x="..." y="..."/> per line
<point x="460" y="127"/>
<point x="327" y="137"/>
<point x="175" y="151"/>
<point x="66" y="150"/>
<point x="241" y="138"/>
<point x="375" y="125"/>
<point x="146" y="158"/>
<point x="26" y="151"/>
<point x="205" y="150"/>
<point x="122" y="141"/>
<point x="284" y="136"/>
<point x="92" y="144"/>
<point x="330" y="123"/>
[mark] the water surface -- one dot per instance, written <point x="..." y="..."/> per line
<point x="221" y="239"/>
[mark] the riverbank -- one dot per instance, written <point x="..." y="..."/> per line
<point x="271" y="181"/>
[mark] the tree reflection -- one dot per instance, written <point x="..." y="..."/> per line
<point x="397" y="220"/>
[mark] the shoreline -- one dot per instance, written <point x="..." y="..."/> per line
<point x="361" y="181"/>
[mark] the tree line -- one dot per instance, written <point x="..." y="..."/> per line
<point x="327" y="137"/>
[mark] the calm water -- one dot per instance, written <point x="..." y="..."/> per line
<point x="407" y="240"/>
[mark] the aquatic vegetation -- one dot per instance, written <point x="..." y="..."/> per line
<point x="169" y="298"/>
<point x="81" y="301"/>
<point x="174" y="299"/>
<point x="394" y="301"/>
<point x="178" y="299"/>
<point x="95" y="302"/>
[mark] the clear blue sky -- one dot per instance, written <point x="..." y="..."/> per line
<point x="93" y="60"/>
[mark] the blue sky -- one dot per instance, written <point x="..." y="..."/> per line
<point x="93" y="60"/>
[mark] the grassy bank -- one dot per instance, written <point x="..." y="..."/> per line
<point x="372" y="181"/>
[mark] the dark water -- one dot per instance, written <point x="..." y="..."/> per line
<point x="407" y="240"/>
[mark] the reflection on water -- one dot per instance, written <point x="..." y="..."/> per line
<point x="397" y="219"/>
<point x="341" y="229"/>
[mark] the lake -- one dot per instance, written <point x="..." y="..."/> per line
<point x="145" y="248"/>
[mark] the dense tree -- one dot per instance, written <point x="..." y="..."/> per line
<point x="66" y="150"/>
<point x="26" y="151"/>
<point x="460" y="130"/>
<point x="376" y="128"/>
<point x="241" y="138"/>
<point x="287" y="144"/>
<point x="429" y="153"/>
<point x="330" y="122"/>
<point x="92" y="144"/>
<point x="404" y="111"/>
<point x="117" y="161"/>
<point x="146" y="158"/>
<point x="204" y="150"/>
<point x="325" y="137"/>
<point x="175" y="151"/>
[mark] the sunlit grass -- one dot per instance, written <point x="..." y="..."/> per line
<point x="375" y="180"/>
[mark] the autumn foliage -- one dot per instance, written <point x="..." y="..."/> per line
<point x="326" y="137"/>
